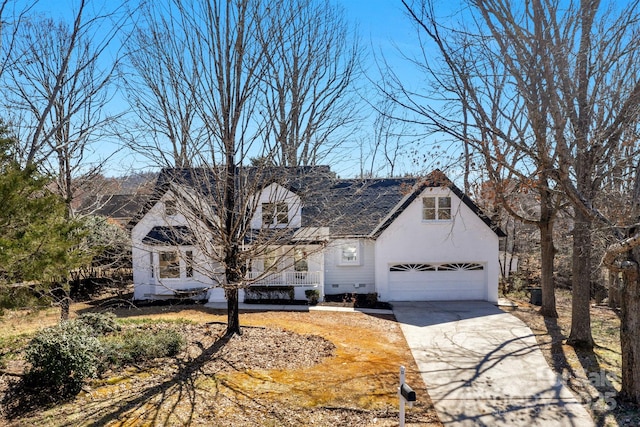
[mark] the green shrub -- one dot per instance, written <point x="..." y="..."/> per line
<point x="138" y="345"/>
<point x="100" y="323"/>
<point x="22" y="297"/>
<point x="61" y="357"/>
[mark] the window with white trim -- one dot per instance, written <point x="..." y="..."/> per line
<point x="170" y="208"/>
<point x="300" y="260"/>
<point x="275" y="213"/>
<point x="169" y="267"/>
<point x="350" y="253"/>
<point x="436" y="208"/>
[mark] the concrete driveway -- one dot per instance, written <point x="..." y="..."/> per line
<point x="482" y="367"/>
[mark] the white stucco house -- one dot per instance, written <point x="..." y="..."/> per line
<point x="402" y="238"/>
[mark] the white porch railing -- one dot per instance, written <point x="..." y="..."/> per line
<point x="285" y="278"/>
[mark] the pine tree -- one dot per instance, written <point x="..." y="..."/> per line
<point x="38" y="245"/>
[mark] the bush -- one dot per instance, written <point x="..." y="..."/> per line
<point x="22" y="297"/>
<point x="271" y="293"/>
<point x="138" y="345"/>
<point x="61" y="357"/>
<point x="99" y="323"/>
<point x="313" y="295"/>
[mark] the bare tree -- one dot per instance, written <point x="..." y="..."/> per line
<point x="308" y="83"/>
<point x="208" y="99"/>
<point x="11" y="19"/>
<point x="58" y="97"/>
<point x="574" y="72"/>
<point x="165" y="127"/>
<point x="472" y="98"/>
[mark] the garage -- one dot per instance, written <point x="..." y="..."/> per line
<point x="434" y="282"/>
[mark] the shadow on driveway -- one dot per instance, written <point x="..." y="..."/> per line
<point x="483" y="367"/>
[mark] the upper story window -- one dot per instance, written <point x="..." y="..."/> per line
<point x="170" y="207"/>
<point x="437" y="208"/>
<point x="275" y="214"/>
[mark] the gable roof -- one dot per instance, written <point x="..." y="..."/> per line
<point x="120" y="207"/>
<point x="436" y="179"/>
<point x="349" y="207"/>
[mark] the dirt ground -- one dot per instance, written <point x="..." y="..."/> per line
<point x="287" y="369"/>
<point x="593" y="375"/>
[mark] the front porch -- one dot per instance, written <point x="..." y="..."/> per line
<point x="285" y="278"/>
<point x="297" y="281"/>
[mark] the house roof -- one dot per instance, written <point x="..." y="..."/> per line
<point x="121" y="207"/>
<point x="349" y="207"/>
<point x="161" y="235"/>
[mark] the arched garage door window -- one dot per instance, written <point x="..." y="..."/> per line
<point x="459" y="266"/>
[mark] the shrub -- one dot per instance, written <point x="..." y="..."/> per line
<point x="100" y="323"/>
<point x="61" y="357"/>
<point x="138" y="345"/>
<point x="270" y="293"/>
<point x="22" y="297"/>
<point x="313" y="295"/>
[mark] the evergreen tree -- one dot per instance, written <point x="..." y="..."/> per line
<point x="38" y="245"/>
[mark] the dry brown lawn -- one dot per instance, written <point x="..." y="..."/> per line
<point x="287" y="369"/>
<point x="593" y="375"/>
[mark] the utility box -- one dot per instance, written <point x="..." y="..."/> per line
<point x="535" y="296"/>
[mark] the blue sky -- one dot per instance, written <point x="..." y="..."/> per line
<point x="382" y="26"/>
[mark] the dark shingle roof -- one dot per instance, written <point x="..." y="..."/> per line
<point x="120" y="207"/>
<point x="349" y="207"/>
<point x="354" y="207"/>
<point x="177" y="235"/>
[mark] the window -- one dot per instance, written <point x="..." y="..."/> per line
<point x="151" y="264"/>
<point x="350" y="254"/>
<point x="275" y="213"/>
<point x="169" y="265"/>
<point x="170" y="207"/>
<point x="270" y="260"/>
<point x="189" y="263"/>
<point x="300" y="260"/>
<point x="436" y="208"/>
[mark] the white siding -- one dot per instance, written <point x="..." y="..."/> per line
<point x="409" y="239"/>
<point x="343" y="278"/>
<point x="148" y="285"/>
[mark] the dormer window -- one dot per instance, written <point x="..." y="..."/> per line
<point x="274" y="214"/>
<point x="170" y="207"/>
<point x="436" y="208"/>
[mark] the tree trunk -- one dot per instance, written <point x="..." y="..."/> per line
<point x="629" y="327"/>
<point x="65" y="304"/>
<point x="614" y="290"/>
<point x="547" y="255"/>
<point x="580" y="335"/>
<point x="233" y="315"/>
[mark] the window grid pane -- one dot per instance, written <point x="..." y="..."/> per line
<point x="349" y="253"/>
<point x="444" y="207"/>
<point x="169" y="265"/>
<point x="189" y="263"/>
<point x="428" y="208"/>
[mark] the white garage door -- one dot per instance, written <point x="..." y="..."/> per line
<point x="437" y="282"/>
